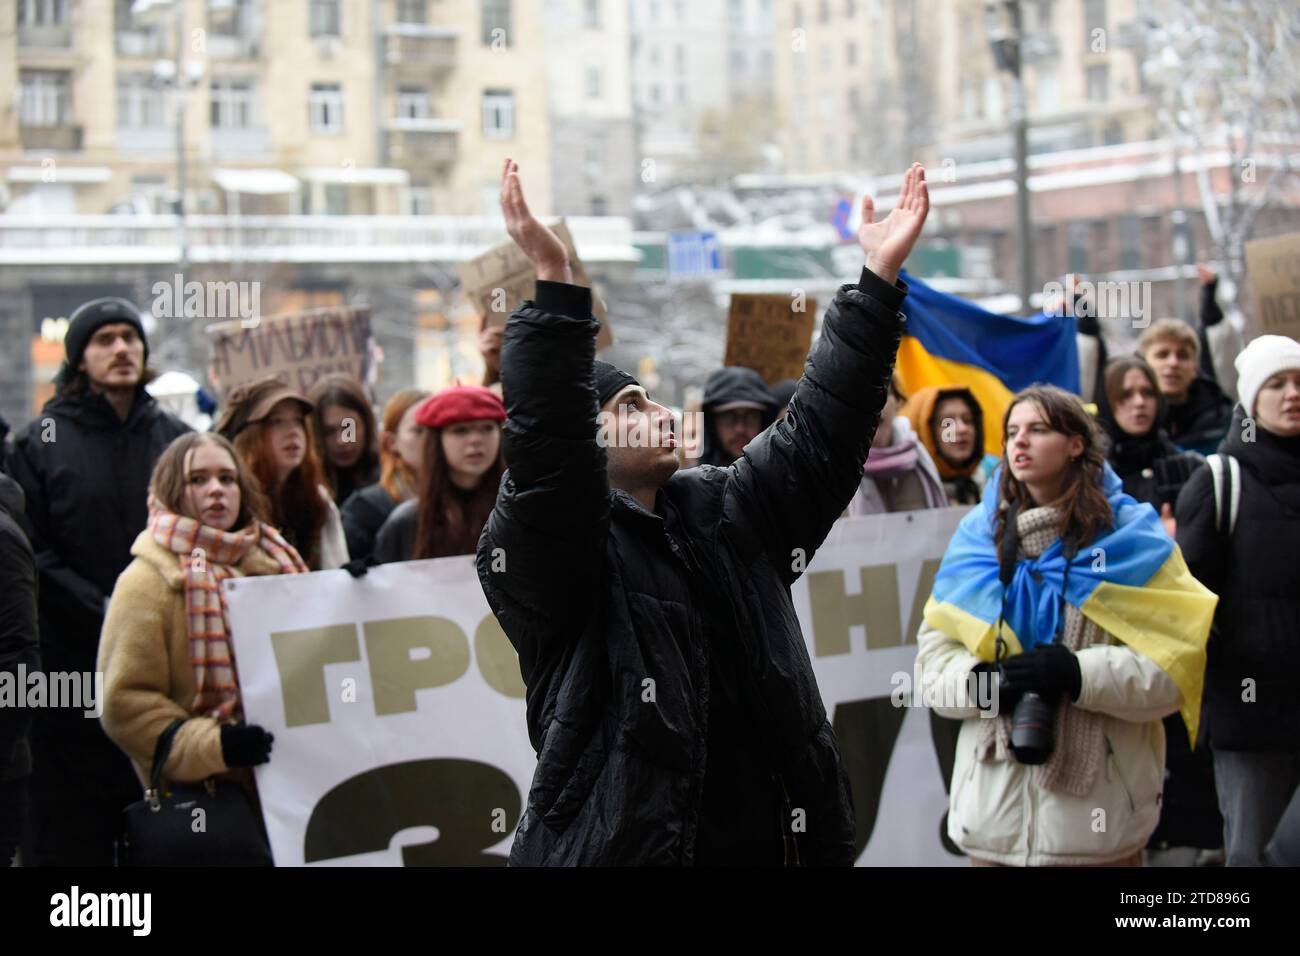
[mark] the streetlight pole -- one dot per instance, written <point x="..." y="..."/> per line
<point x="181" y="88"/>
<point x="1020" y="121"/>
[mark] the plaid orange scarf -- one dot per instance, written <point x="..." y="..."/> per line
<point x="208" y="556"/>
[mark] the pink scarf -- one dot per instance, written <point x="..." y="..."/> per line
<point x="208" y="556"/>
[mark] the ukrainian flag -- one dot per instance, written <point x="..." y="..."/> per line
<point x="949" y="341"/>
<point x="1131" y="581"/>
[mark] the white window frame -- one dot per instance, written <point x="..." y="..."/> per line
<point x="234" y="100"/>
<point x="406" y="7"/>
<point x="42" y="13"/>
<point x="498" y="108"/>
<point x="141" y="103"/>
<point x="413" y="102"/>
<point x="44" y="97"/>
<point x="592" y="82"/>
<point x="325" y="108"/>
<point x="325" y="18"/>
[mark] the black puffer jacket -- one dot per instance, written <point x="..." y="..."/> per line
<point x="1200" y="423"/>
<point x="728" y="384"/>
<point x="626" y="621"/>
<point x="364" y="513"/>
<point x="18" y="635"/>
<point x="85" y="473"/>
<point x="1256" y="574"/>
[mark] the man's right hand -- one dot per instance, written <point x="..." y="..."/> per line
<point x="542" y="247"/>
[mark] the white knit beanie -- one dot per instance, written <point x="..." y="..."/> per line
<point x="1259" y="361"/>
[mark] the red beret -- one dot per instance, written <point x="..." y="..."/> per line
<point x="460" y="403"/>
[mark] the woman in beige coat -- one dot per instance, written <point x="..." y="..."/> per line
<point x="165" y="649"/>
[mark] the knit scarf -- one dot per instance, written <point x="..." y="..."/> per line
<point x="207" y="556"/>
<point x="1080" y="740"/>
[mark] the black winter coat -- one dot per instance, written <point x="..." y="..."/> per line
<point x="85" y="473"/>
<point x="1256" y="574"/>
<point x="18" y="636"/>
<point x="635" y="628"/>
<point x="364" y="513"/>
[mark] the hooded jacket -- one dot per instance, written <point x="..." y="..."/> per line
<point x="963" y="483"/>
<point x="669" y="687"/>
<point x="86" y="474"/>
<point x="1255" y="644"/>
<point x="1150" y="466"/>
<point x="725" y="385"/>
<point x="18" y="636"/>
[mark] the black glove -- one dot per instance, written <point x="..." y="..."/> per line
<point x="1048" y="670"/>
<point x="245" y="745"/>
<point x="358" y="567"/>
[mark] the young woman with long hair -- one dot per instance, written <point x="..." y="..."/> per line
<point x="1063" y="626"/>
<point x="462" y="468"/>
<point x="165" y="649"/>
<point x="401" y="453"/>
<point x="267" y="423"/>
<point x="344" y="434"/>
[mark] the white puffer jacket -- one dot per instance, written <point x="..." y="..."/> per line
<point x="997" y="812"/>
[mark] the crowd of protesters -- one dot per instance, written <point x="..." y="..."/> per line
<point x="106" y="499"/>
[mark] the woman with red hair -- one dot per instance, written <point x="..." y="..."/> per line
<point x="267" y="423"/>
<point x="458" y="478"/>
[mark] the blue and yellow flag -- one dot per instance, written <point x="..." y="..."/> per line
<point x="1131" y="581"/>
<point x="949" y="341"/>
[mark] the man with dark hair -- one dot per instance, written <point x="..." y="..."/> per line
<point x="84" y="466"/>
<point x="671" y="699"/>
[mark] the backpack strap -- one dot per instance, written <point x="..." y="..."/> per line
<point x="1226" y="472"/>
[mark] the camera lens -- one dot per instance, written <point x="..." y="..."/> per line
<point x="1031" y="729"/>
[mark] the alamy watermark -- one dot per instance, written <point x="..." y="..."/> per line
<point x="974" y="690"/>
<point x="1101" y="300"/>
<point x="74" y="690"/>
<point x="214" y="301"/>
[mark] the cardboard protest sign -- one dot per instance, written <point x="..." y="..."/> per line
<point x="1273" y="267"/>
<point x="770" y="334"/>
<point x="499" y="279"/>
<point x="297" y="349"/>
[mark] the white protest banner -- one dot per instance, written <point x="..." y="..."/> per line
<point x="398" y="711"/>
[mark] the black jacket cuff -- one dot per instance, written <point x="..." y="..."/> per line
<point x="890" y="296"/>
<point x="562" y="298"/>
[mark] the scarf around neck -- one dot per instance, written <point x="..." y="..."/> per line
<point x="207" y="556"/>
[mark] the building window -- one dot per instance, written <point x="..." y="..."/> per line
<point x="850" y="53"/>
<point x="496" y="22"/>
<point x="1048" y="90"/>
<point x="591" y="14"/>
<point x="679" y="57"/>
<point x="232" y="104"/>
<point x="827" y="58"/>
<point x="42" y="13"/>
<point x="855" y="101"/>
<point x="681" y="94"/>
<point x="1076" y="235"/>
<point x="599" y="206"/>
<point x="593" y="82"/>
<point x="796" y="16"/>
<point x="656" y="94"/>
<point x="140" y="103"/>
<point x="336" y="199"/>
<point x="44" y="98"/>
<point x="419" y="198"/>
<point x="993" y="97"/>
<point x="498" y="114"/>
<point x="1043" y="11"/>
<point x="595" y="160"/>
<point x="824" y="11"/>
<point x="738" y="63"/>
<point x="325" y="108"/>
<point x="240" y="24"/>
<point x="1094" y="16"/>
<point x="850" y="8"/>
<point x="324" y="18"/>
<point x="413" y="103"/>
<point x="412" y="11"/>
<point x="1130" y="242"/>
<point x="1098" y="82"/>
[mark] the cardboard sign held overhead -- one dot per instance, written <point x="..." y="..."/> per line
<point x="1273" y="269"/>
<point x="770" y="334"/>
<point x="298" y="349"/>
<point x="499" y="279"/>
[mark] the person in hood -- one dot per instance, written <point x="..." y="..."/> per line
<point x="19" y="656"/>
<point x="738" y="405"/>
<point x="899" y="474"/>
<point x="166" y="651"/>
<point x="1199" y="412"/>
<point x="949" y="422"/>
<point x="1130" y="412"/>
<point x="1244" y="544"/>
<point x="84" y="468"/>
<point x="670" y="696"/>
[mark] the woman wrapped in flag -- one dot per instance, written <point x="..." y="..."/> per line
<point x="1063" y="626"/>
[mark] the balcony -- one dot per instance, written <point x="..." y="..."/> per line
<point x="240" y="142"/>
<point x="223" y="46"/>
<point x="56" y="36"/>
<point x="65" y="137"/>
<point x="140" y="43"/>
<point x="419" y="47"/>
<point x="421" y="143"/>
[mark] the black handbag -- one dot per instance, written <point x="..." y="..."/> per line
<point x="168" y="829"/>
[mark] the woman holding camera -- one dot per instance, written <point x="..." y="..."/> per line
<point x="1063" y="626"/>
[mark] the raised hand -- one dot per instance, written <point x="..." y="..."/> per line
<point x="1205" y="273"/>
<point x="542" y="247"/>
<point x="888" y="242"/>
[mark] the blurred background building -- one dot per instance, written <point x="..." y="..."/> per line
<point x="348" y="151"/>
